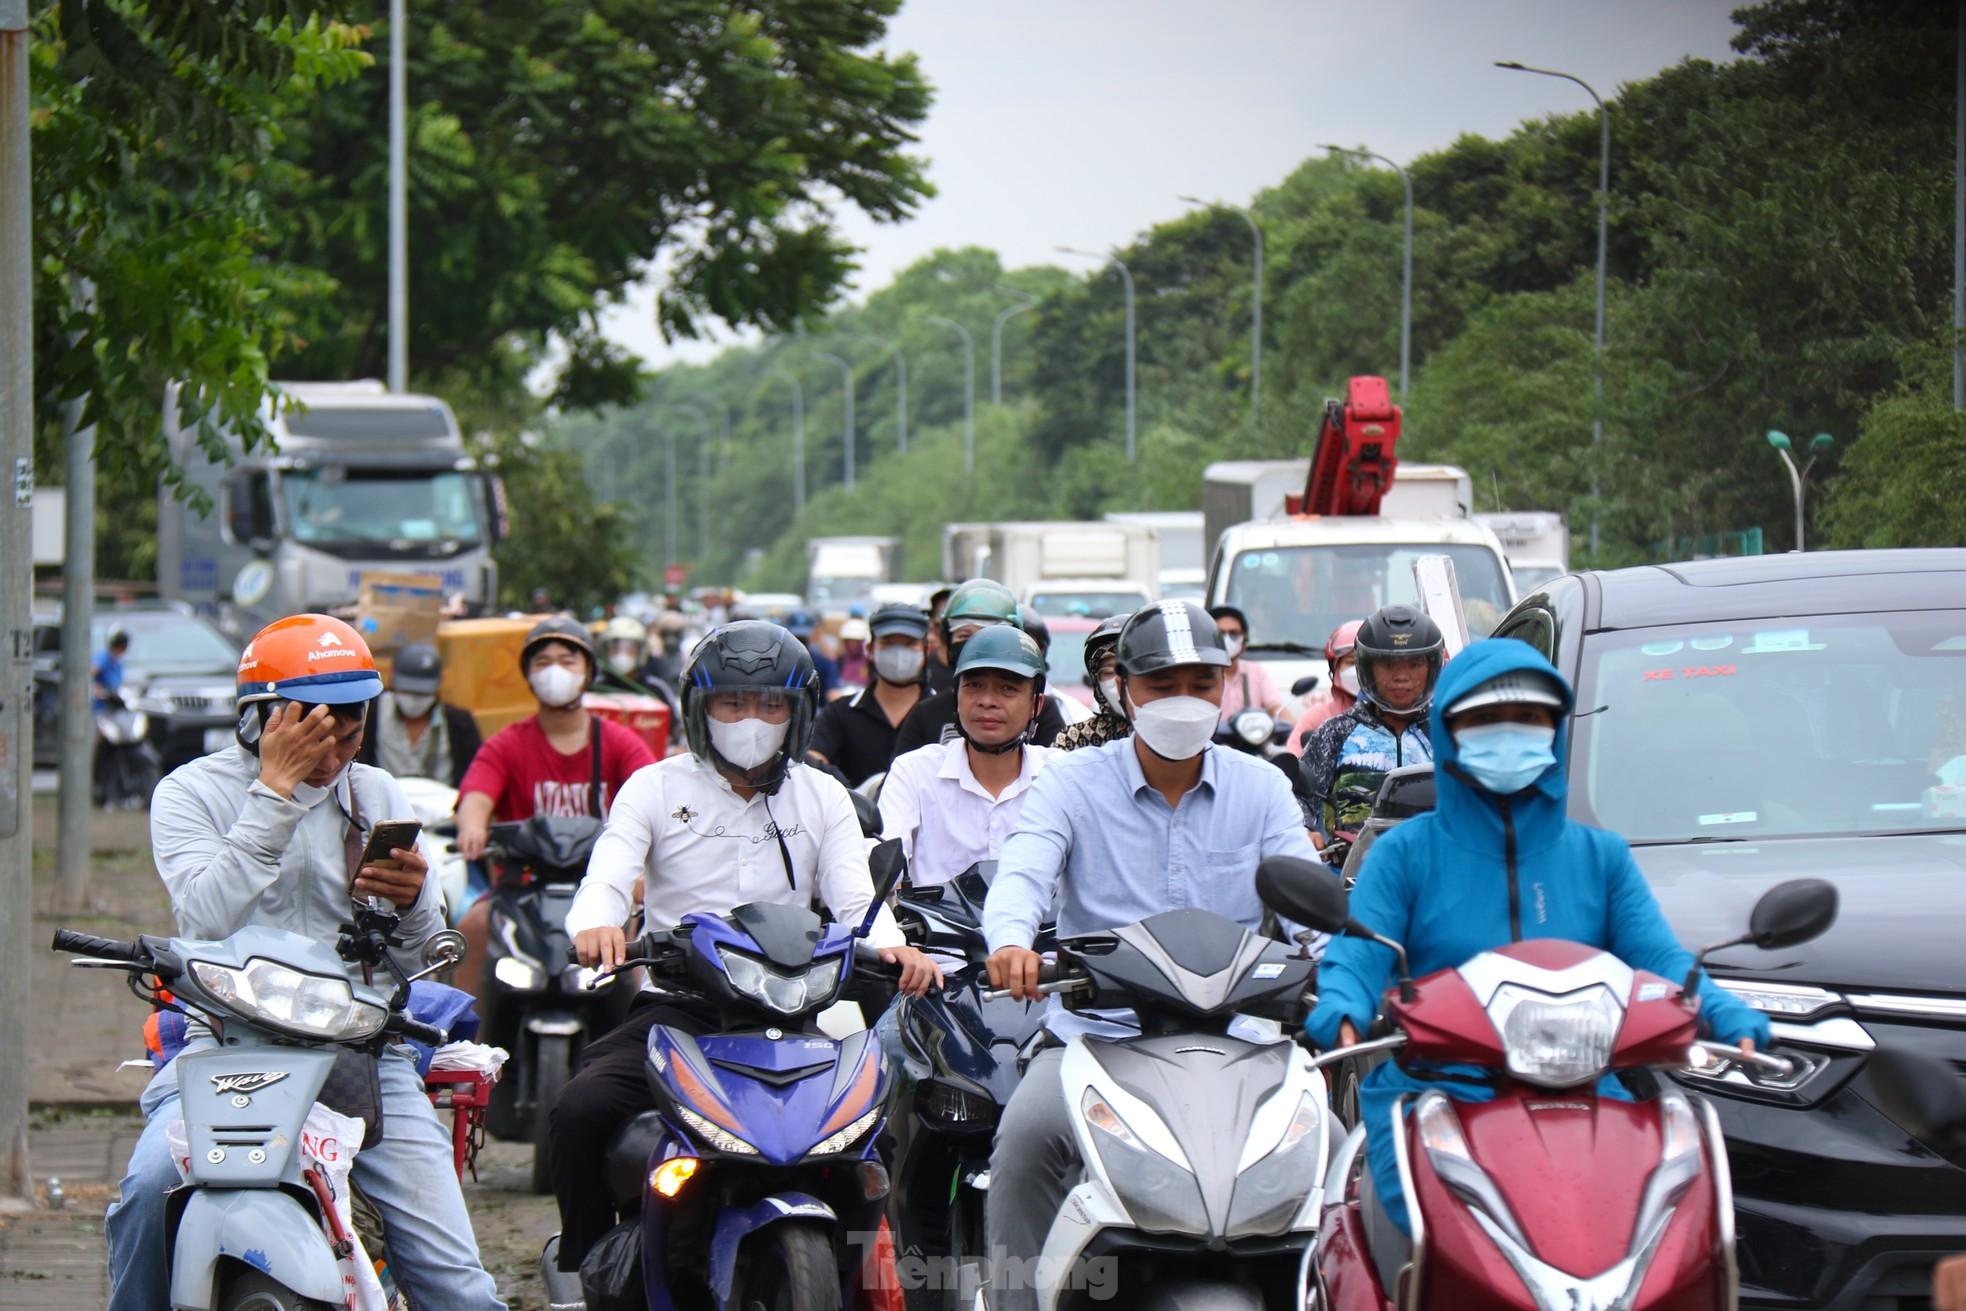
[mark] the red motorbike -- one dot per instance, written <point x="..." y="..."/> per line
<point x="1547" y="1197"/>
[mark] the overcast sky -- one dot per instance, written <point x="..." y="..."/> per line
<point x="1078" y="122"/>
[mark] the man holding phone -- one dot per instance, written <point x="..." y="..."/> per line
<point x="277" y="831"/>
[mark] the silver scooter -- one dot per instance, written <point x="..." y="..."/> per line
<point x="253" y="1224"/>
<point x="1204" y="1151"/>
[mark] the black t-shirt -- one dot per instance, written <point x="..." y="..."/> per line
<point x="940" y="677"/>
<point x="854" y="734"/>
<point x="934" y="720"/>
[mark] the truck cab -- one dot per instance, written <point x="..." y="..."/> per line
<point x="358" y="479"/>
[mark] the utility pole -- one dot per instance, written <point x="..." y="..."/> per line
<point x="846" y="383"/>
<point x="969" y="387"/>
<point x="78" y="721"/>
<point x="1030" y="302"/>
<point x="1799" y="478"/>
<point x="16" y="588"/>
<point x="399" y="238"/>
<point x="1959" y="219"/>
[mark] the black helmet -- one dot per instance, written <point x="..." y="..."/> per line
<point x="1221" y="612"/>
<point x="1170" y="633"/>
<point x="417" y="670"/>
<point x="752" y="655"/>
<point x="118" y="636"/>
<point x="1098" y="643"/>
<point x="1033" y="623"/>
<point x="1399" y="630"/>
<point x="558" y="629"/>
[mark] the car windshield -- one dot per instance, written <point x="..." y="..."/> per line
<point x="1300" y="593"/>
<point x="1086" y="604"/>
<point x="166" y="642"/>
<point x="1774" y="728"/>
<point x="840" y="593"/>
<point x="1065" y="661"/>
<point x="1529" y="577"/>
<point x="402" y="511"/>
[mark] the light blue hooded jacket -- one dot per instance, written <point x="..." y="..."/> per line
<point x="1482" y="871"/>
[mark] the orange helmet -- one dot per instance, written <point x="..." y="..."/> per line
<point x="316" y="659"/>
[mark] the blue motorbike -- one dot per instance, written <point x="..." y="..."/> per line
<point x="961" y="1052"/>
<point x="756" y="1180"/>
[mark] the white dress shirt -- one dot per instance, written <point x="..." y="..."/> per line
<point x="701" y="848"/>
<point x="946" y="820"/>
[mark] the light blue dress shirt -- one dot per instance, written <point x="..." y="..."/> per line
<point x="1097" y="840"/>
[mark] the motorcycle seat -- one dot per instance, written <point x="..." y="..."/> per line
<point x="628" y="1159"/>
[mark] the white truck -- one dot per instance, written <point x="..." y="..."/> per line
<point x="1298" y="577"/>
<point x="842" y="572"/>
<point x="1087" y="568"/>
<point x="1183" y="550"/>
<point x="1536" y="542"/>
<point x="359" y="479"/>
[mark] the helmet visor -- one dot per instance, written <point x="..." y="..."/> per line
<point x="731" y="704"/>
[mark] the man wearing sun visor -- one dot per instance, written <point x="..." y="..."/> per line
<point x="1497" y="861"/>
<point x="271" y="832"/>
<point x="738" y="820"/>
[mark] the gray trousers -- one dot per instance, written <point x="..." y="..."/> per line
<point x="1033" y="1168"/>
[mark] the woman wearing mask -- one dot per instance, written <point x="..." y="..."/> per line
<point x="1497" y="861"/>
<point x="1341" y="686"/>
<point x="1248" y="684"/>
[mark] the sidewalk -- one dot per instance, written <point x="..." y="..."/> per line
<point x="52" y="1259"/>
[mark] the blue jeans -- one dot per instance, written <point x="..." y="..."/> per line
<point x="410" y="1175"/>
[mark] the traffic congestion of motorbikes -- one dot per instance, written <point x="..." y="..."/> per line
<point x="905" y="973"/>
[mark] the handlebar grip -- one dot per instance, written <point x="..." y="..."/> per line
<point x="418" y="1031"/>
<point x="88" y="944"/>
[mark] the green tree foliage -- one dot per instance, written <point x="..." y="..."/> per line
<point x="556" y="148"/>
<point x="1780" y="231"/>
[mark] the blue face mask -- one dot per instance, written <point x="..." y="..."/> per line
<point x="1506" y="758"/>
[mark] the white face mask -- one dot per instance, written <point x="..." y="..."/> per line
<point x="556" y="686"/>
<point x="1234" y="644"/>
<point x="622" y="662"/>
<point x="1177" y="727"/>
<point x="414" y="705"/>
<point x="898" y="664"/>
<point x="1109" y="688"/>
<point x="747" y="743"/>
<point x="1348" y="679"/>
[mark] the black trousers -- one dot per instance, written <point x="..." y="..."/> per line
<point x="610" y="1090"/>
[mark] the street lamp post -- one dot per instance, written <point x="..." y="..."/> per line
<point x="702" y="412"/>
<point x="1029" y="302"/>
<point x="1603" y="218"/>
<point x="1406" y="263"/>
<point x="798" y="438"/>
<point x="969" y="387"/>
<point x="1126" y="276"/>
<point x="1799" y="478"/>
<point x="399" y="241"/>
<point x="1256" y="312"/>
<point x="900" y="383"/>
<point x="669" y="496"/>
<point x="846" y="385"/>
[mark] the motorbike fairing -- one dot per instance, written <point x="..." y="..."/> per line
<point x="1187" y="965"/>
<point x="786" y="940"/>
<point x="781" y="1096"/>
<point x="957" y="1036"/>
<point x="261" y="1227"/>
<point x="224" y="1128"/>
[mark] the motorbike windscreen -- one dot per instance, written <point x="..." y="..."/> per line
<point x="411" y="513"/>
<point x="1774" y="728"/>
<point x="1301" y="593"/>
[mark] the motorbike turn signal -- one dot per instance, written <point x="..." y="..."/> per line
<point x="669" y="1177"/>
<point x="873" y="1180"/>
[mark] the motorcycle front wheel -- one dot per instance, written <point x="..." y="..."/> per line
<point x="249" y="1290"/>
<point x="552" y="1067"/>
<point x="789" y="1267"/>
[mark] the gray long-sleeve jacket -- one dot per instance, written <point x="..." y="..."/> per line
<point x="234" y="852"/>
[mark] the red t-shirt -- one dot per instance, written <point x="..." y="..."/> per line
<point x="525" y="776"/>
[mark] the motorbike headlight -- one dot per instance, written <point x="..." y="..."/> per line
<point x="1273" y="1189"/>
<point x="788" y="994"/>
<point x="1557" y="1042"/>
<point x="1253" y="727"/>
<point x="1158" y="1190"/>
<point x="519" y="973"/>
<point x="715" y="1134"/>
<point x="281" y="997"/>
<point x="833" y="1144"/>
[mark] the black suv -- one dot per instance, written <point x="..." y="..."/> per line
<point x="183" y="671"/>
<point x="1745" y="721"/>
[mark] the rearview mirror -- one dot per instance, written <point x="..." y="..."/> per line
<point x="886" y="864"/>
<point x="442" y="949"/>
<point x="1303" y="686"/>
<point x="869" y="813"/>
<point x="1792" y="913"/>
<point x="1923" y="1094"/>
<point x="1304" y="891"/>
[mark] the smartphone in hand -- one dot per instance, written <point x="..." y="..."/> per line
<point x="390" y="835"/>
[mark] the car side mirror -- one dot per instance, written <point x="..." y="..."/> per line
<point x="1792" y="913"/>
<point x="886" y="864"/>
<point x="1925" y="1095"/>
<point x="1303" y="686"/>
<point x="1304" y="891"/>
<point x="869" y="813"/>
